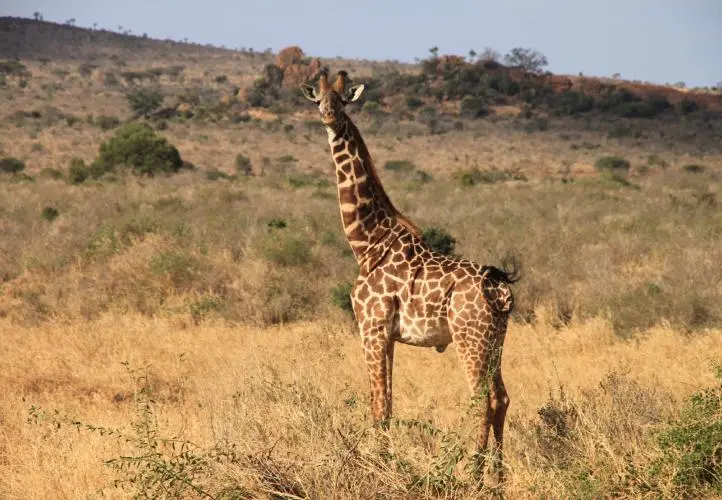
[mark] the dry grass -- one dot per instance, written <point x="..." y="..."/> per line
<point x="293" y="392"/>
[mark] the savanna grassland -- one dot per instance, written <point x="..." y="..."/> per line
<point x="177" y="325"/>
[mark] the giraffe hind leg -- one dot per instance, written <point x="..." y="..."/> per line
<point x="499" y="404"/>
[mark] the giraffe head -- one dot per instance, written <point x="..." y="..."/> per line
<point x="331" y="99"/>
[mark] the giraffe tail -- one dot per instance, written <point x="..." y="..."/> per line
<point x="495" y="285"/>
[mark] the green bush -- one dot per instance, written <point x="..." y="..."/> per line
<point x="106" y="122"/>
<point x="399" y="165"/>
<point x="439" y="240"/>
<point x="413" y="102"/>
<point x="11" y="165"/>
<point x="686" y="106"/>
<point x="693" y="168"/>
<point x="572" y="102"/>
<point x="213" y="174"/>
<point x="49" y="213"/>
<point x="15" y="68"/>
<point x="474" y="177"/>
<point x="78" y="171"/>
<point x="52" y="173"/>
<point x="692" y="444"/>
<point x="612" y="163"/>
<point x="243" y="164"/>
<point x="137" y="146"/>
<point x="110" y="80"/>
<point x="144" y="101"/>
<point x="341" y="296"/>
<point x="287" y="250"/>
<point x="473" y="107"/>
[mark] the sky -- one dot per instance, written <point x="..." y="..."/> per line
<point x="653" y="40"/>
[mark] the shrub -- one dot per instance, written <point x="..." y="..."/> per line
<point x="213" y="174"/>
<point x="52" y="173"/>
<point x="106" y="122"/>
<point x="15" y="68"/>
<point x="399" y="165"/>
<point x="686" y="106"/>
<point x="439" y="240"/>
<point x="49" y="213"/>
<point x="473" y="107"/>
<point x="341" y="296"/>
<point x="610" y="163"/>
<point x="413" y="102"/>
<point x="177" y="268"/>
<point x="529" y="60"/>
<point x="691" y="445"/>
<point x="572" y="102"/>
<point x="476" y="176"/>
<point x="136" y="145"/>
<point x="288" y="250"/>
<point x="110" y="80"/>
<point x="11" y="165"/>
<point x="145" y="101"/>
<point x="78" y="172"/>
<point x="693" y="168"/>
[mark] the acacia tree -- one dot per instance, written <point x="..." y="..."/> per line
<point x="490" y="54"/>
<point x="530" y="60"/>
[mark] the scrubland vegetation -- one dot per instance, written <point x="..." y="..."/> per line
<point x="174" y="281"/>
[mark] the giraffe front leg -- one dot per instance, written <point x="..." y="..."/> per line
<point x="378" y="352"/>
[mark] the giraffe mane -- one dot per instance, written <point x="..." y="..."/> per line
<point x="371" y="167"/>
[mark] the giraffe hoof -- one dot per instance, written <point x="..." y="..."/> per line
<point x="441" y="348"/>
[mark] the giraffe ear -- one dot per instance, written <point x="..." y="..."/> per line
<point x="310" y="93"/>
<point x="354" y="92"/>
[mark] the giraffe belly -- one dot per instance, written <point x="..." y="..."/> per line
<point x="424" y="332"/>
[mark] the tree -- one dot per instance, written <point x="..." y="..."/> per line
<point x="145" y="101"/>
<point x="530" y="60"/>
<point x="434" y="51"/>
<point x="70" y="22"/>
<point x="472" y="55"/>
<point x="490" y="54"/>
<point x="137" y="146"/>
<point x="37" y="16"/>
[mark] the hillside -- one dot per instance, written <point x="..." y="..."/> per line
<point x="174" y="279"/>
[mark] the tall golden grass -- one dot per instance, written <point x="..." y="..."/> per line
<point x="293" y="401"/>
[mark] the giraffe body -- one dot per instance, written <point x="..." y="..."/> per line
<point x="405" y="292"/>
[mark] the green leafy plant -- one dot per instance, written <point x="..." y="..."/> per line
<point x="49" y="213"/>
<point x="243" y="164"/>
<point x="439" y="240"/>
<point x="692" y="443"/>
<point x="78" y="171"/>
<point x="612" y="163"/>
<point x="399" y="166"/>
<point x="137" y="146"/>
<point x="144" y="100"/>
<point x="157" y="466"/>
<point x="11" y="165"/>
<point x="341" y="296"/>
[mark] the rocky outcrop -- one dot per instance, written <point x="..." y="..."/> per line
<point x="296" y="67"/>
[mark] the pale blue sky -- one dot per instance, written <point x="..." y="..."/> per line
<point x="655" y="40"/>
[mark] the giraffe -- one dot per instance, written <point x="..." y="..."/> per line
<point x="406" y="292"/>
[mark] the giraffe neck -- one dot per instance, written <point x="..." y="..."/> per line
<point x="367" y="213"/>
